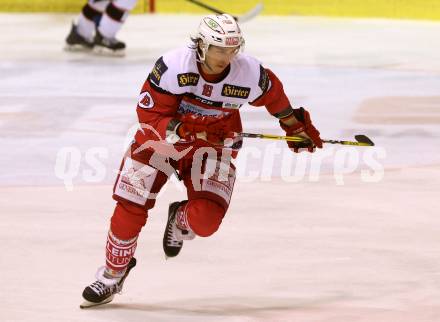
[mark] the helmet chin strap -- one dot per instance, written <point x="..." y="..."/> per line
<point x="201" y="52"/>
<point x="201" y="56"/>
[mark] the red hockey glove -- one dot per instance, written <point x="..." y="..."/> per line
<point x="215" y="133"/>
<point x="302" y="128"/>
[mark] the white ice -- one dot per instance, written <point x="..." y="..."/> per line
<point x="355" y="237"/>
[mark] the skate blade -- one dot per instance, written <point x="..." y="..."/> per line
<point x="86" y="304"/>
<point x="102" y="51"/>
<point x="167" y="257"/>
<point x="77" y="49"/>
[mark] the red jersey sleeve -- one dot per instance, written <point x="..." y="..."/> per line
<point x="155" y="108"/>
<point x="273" y="98"/>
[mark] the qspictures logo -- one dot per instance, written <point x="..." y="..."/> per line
<point x="254" y="163"/>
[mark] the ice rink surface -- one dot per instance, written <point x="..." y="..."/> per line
<point x="348" y="234"/>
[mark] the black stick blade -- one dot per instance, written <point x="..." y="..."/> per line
<point x="363" y="139"/>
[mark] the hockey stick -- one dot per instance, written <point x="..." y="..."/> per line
<point x="361" y="140"/>
<point x="245" y="17"/>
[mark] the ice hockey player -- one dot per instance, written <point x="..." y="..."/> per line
<point x="97" y="26"/>
<point x="189" y="115"/>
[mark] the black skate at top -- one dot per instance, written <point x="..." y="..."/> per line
<point x="171" y="247"/>
<point x="108" y="45"/>
<point x="76" y="42"/>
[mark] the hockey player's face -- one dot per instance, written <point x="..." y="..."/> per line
<point x="218" y="58"/>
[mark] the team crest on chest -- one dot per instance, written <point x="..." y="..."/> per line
<point x="207" y="90"/>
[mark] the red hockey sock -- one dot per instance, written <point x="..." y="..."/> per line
<point x="118" y="254"/>
<point x="182" y="218"/>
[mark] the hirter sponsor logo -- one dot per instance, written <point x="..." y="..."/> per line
<point x="235" y="91"/>
<point x="188" y="79"/>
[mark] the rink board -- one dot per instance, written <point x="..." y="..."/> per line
<point x="406" y="9"/>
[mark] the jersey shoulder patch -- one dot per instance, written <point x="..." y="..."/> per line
<point x="264" y="81"/>
<point x="145" y="100"/>
<point x="158" y="70"/>
<point x="175" y="71"/>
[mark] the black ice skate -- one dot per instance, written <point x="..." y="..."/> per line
<point x="76" y="42"/>
<point x="108" y="46"/>
<point x="173" y="236"/>
<point x="99" y="293"/>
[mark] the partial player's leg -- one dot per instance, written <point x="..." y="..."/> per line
<point x="202" y="214"/>
<point x="135" y="191"/>
<point x="112" y="20"/>
<point x="81" y="36"/>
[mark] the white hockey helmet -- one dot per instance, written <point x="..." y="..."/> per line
<point x="218" y="30"/>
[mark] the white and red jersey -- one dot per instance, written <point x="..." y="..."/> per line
<point x="177" y="90"/>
